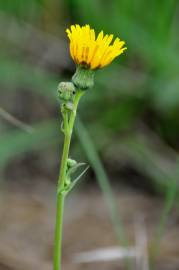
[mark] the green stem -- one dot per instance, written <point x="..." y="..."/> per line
<point x="68" y="129"/>
<point x="58" y="232"/>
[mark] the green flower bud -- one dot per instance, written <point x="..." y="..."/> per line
<point x="66" y="91"/>
<point x="71" y="163"/>
<point x="83" y="78"/>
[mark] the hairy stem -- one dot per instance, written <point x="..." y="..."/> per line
<point x="68" y="129"/>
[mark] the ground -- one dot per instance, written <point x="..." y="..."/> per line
<point x="27" y="224"/>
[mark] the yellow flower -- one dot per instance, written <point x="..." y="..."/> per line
<point x="90" y="51"/>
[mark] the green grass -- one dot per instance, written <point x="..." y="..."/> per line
<point x="133" y="108"/>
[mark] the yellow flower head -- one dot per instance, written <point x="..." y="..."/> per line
<point x="90" y="51"/>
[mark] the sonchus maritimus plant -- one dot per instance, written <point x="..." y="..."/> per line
<point x="90" y="53"/>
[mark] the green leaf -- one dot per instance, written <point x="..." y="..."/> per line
<point x="76" y="180"/>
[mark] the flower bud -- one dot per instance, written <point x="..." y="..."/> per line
<point x="66" y="91"/>
<point x="71" y="163"/>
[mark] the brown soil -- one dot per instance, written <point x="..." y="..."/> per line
<point x="27" y="226"/>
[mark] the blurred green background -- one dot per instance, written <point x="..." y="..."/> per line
<point x="128" y="130"/>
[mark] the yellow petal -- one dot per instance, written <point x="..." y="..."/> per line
<point x="87" y="50"/>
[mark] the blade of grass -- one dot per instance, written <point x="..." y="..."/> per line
<point x="17" y="142"/>
<point x="170" y="197"/>
<point x="14" y="121"/>
<point x="102" y="178"/>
